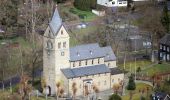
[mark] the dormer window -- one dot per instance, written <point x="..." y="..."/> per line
<point x="91" y="52"/>
<point x="78" y="54"/>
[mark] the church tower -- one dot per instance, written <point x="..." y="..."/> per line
<point x="56" y="53"/>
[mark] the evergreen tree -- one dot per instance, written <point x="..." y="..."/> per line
<point x="131" y="86"/>
<point x="165" y="18"/>
<point x="115" y="97"/>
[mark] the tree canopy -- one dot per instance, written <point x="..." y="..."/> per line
<point x="85" y="5"/>
<point x="115" y="97"/>
<point x="165" y="18"/>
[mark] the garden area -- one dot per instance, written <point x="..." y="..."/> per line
<point x="130" y="66"/>
<point x="141" y="90"/>
<point x="158" y="69"/>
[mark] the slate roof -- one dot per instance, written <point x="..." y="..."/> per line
<point x="90" y="51"/>
<point x="115" y="71"/>
<point x="56" y="22"/>
<point x="84" y="71"/>
<point x="165" y="40"/>
<point x="108" y="52"/>
<point x="161" y="96"/>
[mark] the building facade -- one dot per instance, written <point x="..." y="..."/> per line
<point x="85" y="65"/>
<point x="112" y="3"/>
<point x="164" y="48"/>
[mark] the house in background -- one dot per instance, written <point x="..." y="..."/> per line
<point x="112" y="3"/>
<point x="160" y="96"/>
<point x="164" y="48"/>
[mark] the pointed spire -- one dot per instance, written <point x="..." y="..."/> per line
<point x="56" y="21"/>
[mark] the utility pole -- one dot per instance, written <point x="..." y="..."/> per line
<point x="135" y="69"/>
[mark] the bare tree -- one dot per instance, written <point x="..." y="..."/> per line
<point x="116" y="88"/>
<point x="96" y="91"/>
<point x="74" y="89"/>
<point x="58" y="85"/>
<point x="25" y="88"/>
<point x="151" y="22"/>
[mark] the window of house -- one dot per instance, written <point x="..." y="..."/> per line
<point x="160" y="46"/>
<point x="64" y="44"/>
<point x="168" y="49"/>
<point x="59" y="45"/>
<point x="79" y="63"/>
<point x="113" y="3"/>
<point x="61" y="32"/>
<point x="112" y="80"/>
<point x="120" y="2"/>
<point x="98" y="60"/>
<point x="160" y="54"/>
<point x="49" y="33"/>
<point x="168" y="57"/>
<point x="73" y="64"/>
<point x="62" y="53"/>
<point x="105" y="82"/>
<point x="164" y="47"/>
<point x="92" y="62"/>
<point x="108" y="64"/>
<point x="86" y="62"/>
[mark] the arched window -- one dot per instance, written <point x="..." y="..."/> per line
<point x="86" y="62"/>
<point x="49" y="44"/>
<point x="59" y="45"/>
<point x="79" y="63"/>
<point x="64" y="44"/>
<point x="61" y="32"/>
<point x="98" y="60"/>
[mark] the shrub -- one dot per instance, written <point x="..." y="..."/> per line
<point x="115" y="97"/>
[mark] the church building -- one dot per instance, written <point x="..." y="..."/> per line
<point x="86" y="65"/>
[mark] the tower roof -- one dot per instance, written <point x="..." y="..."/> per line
<point x="56" y="22"/>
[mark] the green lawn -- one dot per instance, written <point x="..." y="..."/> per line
<point x="136" y="96"/>
<point x="83" y="15"/>
<point x="130" y="66"/>
<point x="157" y="69"/>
